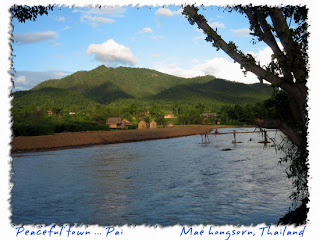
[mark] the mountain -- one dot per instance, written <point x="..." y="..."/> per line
<point x="50" y="97"/>
<point x="104" y="85"/>
<point x="216" y="90"/>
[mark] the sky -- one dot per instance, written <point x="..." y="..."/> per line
<point x="76" y="39"/>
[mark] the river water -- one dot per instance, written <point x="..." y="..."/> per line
<point x="164" y="182"/>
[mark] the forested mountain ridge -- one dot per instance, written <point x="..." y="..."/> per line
<point x="84" y="100"/>
<point x="132" y="82"/>
<point x="105" y="85"/>
<point x="51" y="97"/>
<point x="217" y="90"/>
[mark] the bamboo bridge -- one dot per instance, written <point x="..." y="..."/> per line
<point x="205" y="136"/>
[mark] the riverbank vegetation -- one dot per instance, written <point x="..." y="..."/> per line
<point x="32" y="120"/>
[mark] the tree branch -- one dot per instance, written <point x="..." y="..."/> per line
<point x="291" y="48"/>
<point x="282" y="29"/>
<point x="269" y="39"/>
<point x="294" y="137"/>
<point x="192" y="13"/>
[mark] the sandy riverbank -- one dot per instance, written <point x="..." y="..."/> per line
<point x="80" y="139"/>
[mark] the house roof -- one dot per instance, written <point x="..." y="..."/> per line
<point x="127" y="122"/>
<point x="142" y="121"/>
<point x="114" y="121"/>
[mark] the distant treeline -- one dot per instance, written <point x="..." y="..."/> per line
<point x="83" y="101"/>
<point x="47" y="127"/>
<point x="32" y="120"/>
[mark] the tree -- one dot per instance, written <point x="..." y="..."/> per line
<point x="23" y="13"/>
<point x="289" y="67"/>
<point x="287" y="71"/>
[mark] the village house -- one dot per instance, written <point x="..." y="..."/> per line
<point x="209" y="115"/>
<point x="72" y="113"/>
<point x="169" y="115"/>
<point x="117" y="123"/>
<point x="143" y="125"/>
<point x="50" y="113"/>
<point x="153" y="124"/>
<point x="169" y="125"/>
<point x="128" y="123"/>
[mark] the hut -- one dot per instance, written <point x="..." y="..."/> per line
<point x="153" y="124"/>
<point x="169" y="125"/>
<point x="128" y="123"/>
<point x="142" y="125"/>
<point x="116" y="123"/>
<point x="169" y="115"/>
<point x="209" y="115"/>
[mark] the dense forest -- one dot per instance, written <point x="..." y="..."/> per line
<point x="84" y="100"/>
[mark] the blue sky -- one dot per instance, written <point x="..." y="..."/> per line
<point x="74" y="39"/>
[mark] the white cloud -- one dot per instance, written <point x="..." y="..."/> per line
<point x="53" y="43"/>
<point x="263" y="56"/>
<point x="60" y="74"/>
<point x="24" y="80"/>
<point x="104" y="15"/>
<point x="112" y="53"/>
<point x="60" y="19"/>
<point x="243" y="32"/>
<point x="157" y="37"/>
<point x="220" y="67"/>
<point x="147" y="30"/>
<point x="167" y="12"/>
<point x="108" y="11"/>
<point x="58" y="56"/>
<point x="155" y="55"/>
<point x="217" y="25"/>
<point x="96" y="20"/>
<point x="21" y="79"/>
<point x="28" y="38"/>
<point x="66" y="28"/>
<point x="195" y="39"/>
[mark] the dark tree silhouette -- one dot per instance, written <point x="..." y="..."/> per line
<point x="288" y="71"/>
<point x="23" y="13"/>
<point x="289" y="67"/>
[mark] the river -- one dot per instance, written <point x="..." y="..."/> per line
<point x="164" y="182"/>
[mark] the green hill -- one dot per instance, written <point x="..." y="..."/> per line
<point x="105" y="85"/>
<point x="217" y="90"/>
<point x="51" y="97"/>
<point x="112" y="86"/>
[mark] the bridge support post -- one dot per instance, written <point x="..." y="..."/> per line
<point x="234" y="137"/>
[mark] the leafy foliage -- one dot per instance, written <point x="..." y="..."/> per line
<point x="23" y="13"/>
<point x="51" y="127"/>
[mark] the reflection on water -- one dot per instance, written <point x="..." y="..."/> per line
<point x="167" y="182"/>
